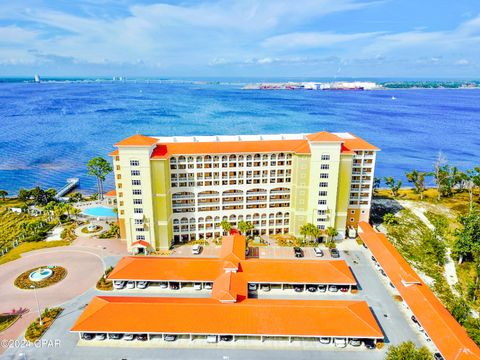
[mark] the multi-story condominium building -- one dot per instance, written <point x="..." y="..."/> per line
<point x="174" y="189"/>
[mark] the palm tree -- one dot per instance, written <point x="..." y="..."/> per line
<point x="75" y="212"/>
<point x="3" y="194"/>
<point x="100" y="168"/>
<point x="331" y="232"/>
<point x="316" y="233"/>
<point x="245" y="226"/>
<point x="226" y="226"/>
<point x="304" y="231"/>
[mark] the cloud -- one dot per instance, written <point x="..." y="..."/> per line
<point x="15" y="35"/>
<point x="312" y="39"/>
<point x="462" y="62"/>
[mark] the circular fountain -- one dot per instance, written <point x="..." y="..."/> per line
<point x="40" y="274"/>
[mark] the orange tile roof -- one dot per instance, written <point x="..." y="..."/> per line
<point x="298" y="271"/>
<point x="166" y="269"/>
<point x="248" y="317"/>
<point x="111" y="193"/>
<point x="233" y="248"/>
<point x="114" y="153"/>
<point x="137" y="140"/>
<point x="229" y="287"/>
<point x="358" y="144"/>
<point x="324" y="136"/>
<point x="447" y="334"/>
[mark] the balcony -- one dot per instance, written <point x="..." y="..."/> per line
<point x="201" y="196"/>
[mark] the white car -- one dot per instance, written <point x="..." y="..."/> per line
<point x="208" y="286"/>
<point x="118" y="284"/>
<point x="142" y="284"/>
<point x="100" y="336"/>
<point x="252" y="287"/>
<point x="333" y="288"/>
<point x="355" y="342"/>
<point x="340" y="342"/>
<point x="212" y="339"/>
<point x="163" y="285"/>
<point x="318" y="252"/>
<point x="196" y="249"/>
<point x="131" y="285"/>
<point x="197" y="286"/>
<point x="128" y="337"/>
<point x="325" y="340"/>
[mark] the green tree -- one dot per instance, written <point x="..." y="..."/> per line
<point x="309" y="231"/>
<point x="376" y="183"/>
<point x="100" y="168"/>
<point x="441" y="176"/>
<point x="226" y="226"/>
<point x="408" y="351"/>
<point x="418" y="180"/>
<point x="393" y="185"/>
<point x="471" y="182"/>
<point x="467" y="242"/>
<point x="389" y="219"/>
<point x="459" y="310"/>
<point x="24" y="195"/>
<point x="75" y="212"/>
<point x="244" y="227"/>
<point x="331" y="232"/>
<point x="3" y="194"/>
<point x="472" y="325"/>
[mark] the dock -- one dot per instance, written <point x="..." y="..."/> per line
<point x="71" y="184"/>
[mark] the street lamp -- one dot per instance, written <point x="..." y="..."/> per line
<point x="38" y="305"/>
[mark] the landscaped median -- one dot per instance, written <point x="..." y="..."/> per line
<point x="35" y="331"/>
<point x="23" y="281"/>
<point x="7" y="320"/>
<point x="103" y="283"/>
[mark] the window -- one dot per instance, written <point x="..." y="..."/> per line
<point x="119" y="185"/>
<point x="134" y="163"/>
<point x="322" y="212"/>
<point x="321" y="227"/>
<point x="138" y="221"/>
<point x="324" y="176"/>
<point x="363" y="211"/>
<point x="137" y="192"/>
<point x="139" y="229"/>
<point x="352" y="212"/>
<point x="121" y="203"/>
<point x="135" y="172"/>
<point x="325" y="157"/>
<point x="138" y="210"/>
<point x="352" y="219"/>
<point x="323" y="184"/>
<point x="122" y="212"/>
<point x="322" y="202"/>
<point x="136" y="182"/>
<point x="140" y="237"/>
<point x="120" y="194"/>
<point x="322" y="193"/>
<point x="117" y="158"/>
<point x="137" y="201"/>
<point x="324" y="167"/>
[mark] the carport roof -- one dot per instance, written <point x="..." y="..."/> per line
<point x="249" y="317"/>
<point x="298" y="271"/>
<point x="446" y="333"/>
<point x="166" y="269"/>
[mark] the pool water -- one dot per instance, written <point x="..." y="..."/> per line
<point x="40" y="274"/>
<point x="101" y="211"/>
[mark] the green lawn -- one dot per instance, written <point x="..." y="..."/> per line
<point x="6" y="321"/>
<point x="29" y="246"/>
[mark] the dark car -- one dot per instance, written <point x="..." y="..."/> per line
<point x="226" y="338"/>
<point x="383" y="272"/>
<point x="414" y="319"/>
<point x="298" y="288"/>
<point x="334" y="253"/>
<point x="373" y="258"/>
<point x="369" y="344"/>
<point x="174" y="286"/>
<point x="343" y="289"/>
<point x="142" y="337"/>
<point x="298" y="252"/>
<point x="115" y="336"/>
<point x="312" y="288"/>
<point x="88" y="336"/>
<point x="438" y="356"/>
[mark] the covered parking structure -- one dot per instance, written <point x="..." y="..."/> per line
<point x="251" y="318"/>
<point x="447" y="334"/>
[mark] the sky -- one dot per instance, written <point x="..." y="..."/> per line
<point x="241" y="38"/>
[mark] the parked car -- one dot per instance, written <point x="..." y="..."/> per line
<point x="115" y="336"/>
<point x="252" y="287"/>
<point x="373" y="258"/>
<point x="383" y="272"/>
<point x="414" y="319"/>
<point x="197" y="286"/>
<point x="226" y="338"/>
<point x="333" y="288"/>
<point x="196" y="249"/>
<point x="212" y="339"/>
<point x="334" y="253"/>
<point x="247" y="251"/>
<point x="169" y="337"/>
<point x="318" y="252"/>
<point x="118" y="284"/>
<point x="163" y="285"/>
<point x="340" y="342"/>
<point x="142" y="284"/>
<point x="130" y="284"/>
<point x="265" y="287"/>
<point x="355" y="342"/>
<point x="322" y="288"/>
<point x="142" y="337"/>
<point x="438" y="356"/>
<point x="298" y="288"/>
<point x="88" y="336"/>
<point x="369" y="344"/>
<point x="344" y="289"/>
<point x="325" y="340"/>
<point x="312" y="288"/>
<point x="100" y="336"/>
<point x="298" y="252"/>
<point x="174" y="285"/>
<point x="129" y="337"/>
<point x="391" y="285"/>
<point x="208" y="286"/>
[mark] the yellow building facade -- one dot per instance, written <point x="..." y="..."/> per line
<point x="177" y="189"/>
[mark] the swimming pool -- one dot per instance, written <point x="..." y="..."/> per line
<point x="101" y="211"/>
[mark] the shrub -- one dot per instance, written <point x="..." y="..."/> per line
<point x="35" y="330"/>
<point x="113" y="232"/>
<point x="103" y="283"/>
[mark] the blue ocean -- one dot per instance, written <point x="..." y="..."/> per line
<point x="50" y="130"/>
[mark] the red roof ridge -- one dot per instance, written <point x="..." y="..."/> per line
<point x="137" y="140"/>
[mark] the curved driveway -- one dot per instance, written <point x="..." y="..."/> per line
<point x="84" y="269"/>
